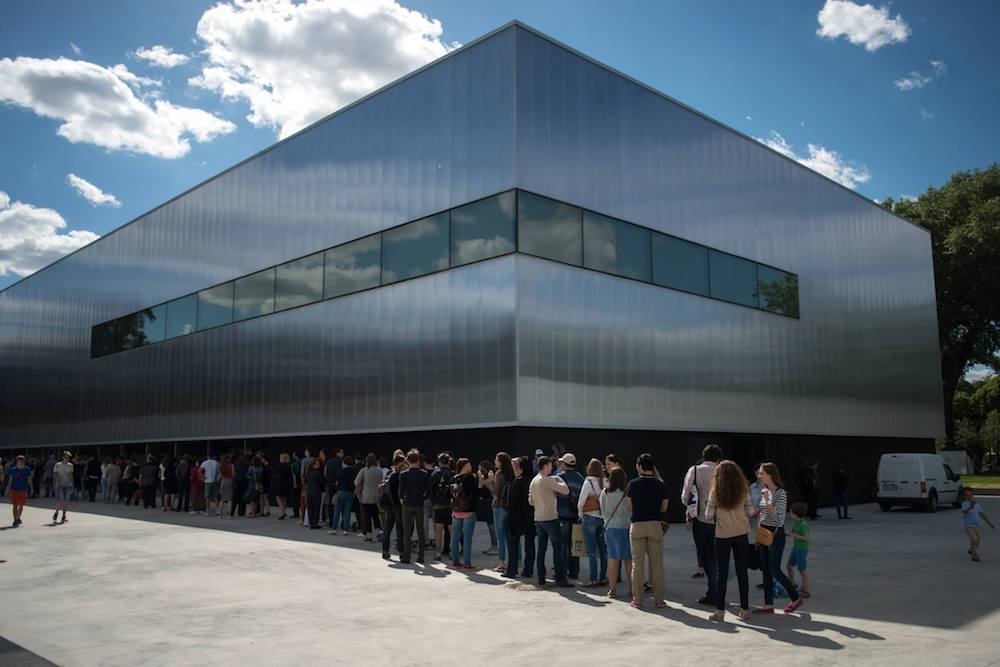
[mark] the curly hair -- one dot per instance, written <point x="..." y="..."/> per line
<point x="729" y="485"/>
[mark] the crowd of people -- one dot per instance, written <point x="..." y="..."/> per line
<point x="531" y="505"/>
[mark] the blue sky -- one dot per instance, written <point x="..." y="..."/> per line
<point x="893" y="99"/>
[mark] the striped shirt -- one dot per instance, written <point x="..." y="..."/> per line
<point x="775" y="518"/>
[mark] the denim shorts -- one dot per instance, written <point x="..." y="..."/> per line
<point x="63" y="492"/>
<point x="797" y="559"/>
<point x="619" y="546"/>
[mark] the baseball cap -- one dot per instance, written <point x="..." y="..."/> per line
<point x="539" y="452"/>
<point x="568" y="459"/>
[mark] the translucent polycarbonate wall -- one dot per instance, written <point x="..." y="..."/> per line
<point x="435" y="351"/>
<point x="862" y="359"/>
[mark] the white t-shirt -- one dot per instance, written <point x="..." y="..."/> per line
<point x="211" y="468"/>
<point x="65" y="472"/>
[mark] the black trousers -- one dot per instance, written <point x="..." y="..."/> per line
<point x="812" y="503"/>
<point x="183" y="497"/>
<point x="514" y="552"/>
<point x="393" y="521"/>
<point x="92" y="487"/>
<point x="313" y="500"/>
<point x="369" y="518"/>
<point x="149" y="496"/>
<point x="741" y="557"/>
<point x="239" y="497"/>
<point x="704" y="542"/>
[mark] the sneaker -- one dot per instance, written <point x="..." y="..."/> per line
<point x="565" y="583"/>
<point x="706" y="600"/>
<point x="794" y="606"/>
<point x="469" y="567"/>
<point x="744" y="614"/>
<point x="455" y="564"/>
<point x="764" y="610"/>
<point x="697" y="575"/>
<point x="385" y="555"/>
<point x="420" y="561"/>
<point x="343" y="532"/>
<point x="492" y="551"/>
<point x="509" y="575"/>
<point x="331" y="532"/>
<point x="719" y="615"/>
<point x="975" y="558"/>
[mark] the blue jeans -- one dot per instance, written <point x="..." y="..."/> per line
<point x="462" y="529"/>
<point x="593" y="534"/>
<point x="500" y="519"/>
<point x="770" y="563"/>
<point x="342" y="510"/>
<point x="549" y="531"/>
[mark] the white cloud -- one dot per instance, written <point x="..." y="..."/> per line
<point x="135" y="80"/>
<point x="861" y="24"/>
<point x="161" y="56"/>
<point x="30" y="237"/>
<point x="915" y="80"/>
<point x="97" y="106"/>
<point x="907" y="198"/>
<point x="925" y="114"/>
<point x="91" y="192"/>
<point x="979" y="372"/>
<point x="295" y="63"/>
<point x="821" y="159"/>
<point x="76" y="49"/>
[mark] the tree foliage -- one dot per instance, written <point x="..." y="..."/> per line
<point x="963" y="217"/>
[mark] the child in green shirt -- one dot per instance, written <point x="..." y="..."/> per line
<point x="800" y="547"/>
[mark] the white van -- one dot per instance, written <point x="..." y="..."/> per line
<point x="916" y="479"/>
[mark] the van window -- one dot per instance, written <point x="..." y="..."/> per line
<point x="949" y="473"/>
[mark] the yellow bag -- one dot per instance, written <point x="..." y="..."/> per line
<point x="578" y="546"/>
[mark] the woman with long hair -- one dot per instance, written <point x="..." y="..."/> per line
<point x="502" y="480"/>
<point x="589" y="507"/>
<point x="617" y="520"/>
<point x="465" y="488"/>
<point x="773" y="506"/>
<point x="366" y="487"/>
<point x="729" y="507"/>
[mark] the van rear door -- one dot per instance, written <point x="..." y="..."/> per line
<point x="899" y="476"/>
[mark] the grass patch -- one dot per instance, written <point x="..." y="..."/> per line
<point x="981" y="481"/>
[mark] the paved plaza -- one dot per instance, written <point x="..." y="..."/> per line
<point x="127" y="586"/>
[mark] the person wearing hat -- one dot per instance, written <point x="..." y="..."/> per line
<point x="534" y="462"/>
<point x="569" y="514"/>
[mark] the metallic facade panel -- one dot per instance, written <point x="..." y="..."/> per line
<point x="597" y="350"/>
<point x="439" y="138"/>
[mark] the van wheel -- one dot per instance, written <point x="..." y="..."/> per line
<point x="932" y="504"/>
<point x="885" y="506"/>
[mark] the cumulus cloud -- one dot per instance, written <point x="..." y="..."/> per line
<point x="863" y="25"/>
<point x="98" y="106"/>
<point x="916" y="80"/>
<point x="31" y="237"/>
<point x="161" y="56"/>
<point x="91" y="192"/>
<point x="294" y="63"/>
<point x="134" y="80"/>
<point x="76" y="49"/>
<point x="827" y="162"/>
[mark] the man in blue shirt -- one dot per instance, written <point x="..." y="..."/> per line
<point x="21" y="485"/>
<point x="972" y="512"/>
<point x="568" y="512"/>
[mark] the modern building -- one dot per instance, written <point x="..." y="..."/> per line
<point x="512" y="247"/>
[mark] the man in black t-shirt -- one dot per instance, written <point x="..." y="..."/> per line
<point x="647" y="501"/>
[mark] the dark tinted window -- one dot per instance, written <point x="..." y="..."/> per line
<point x="299" y="282"/>
<point x="680" y="264"/>
<point x="215" y="306"/>
<point x="182" y="316"/>
<point x="482" y="229"/>
<point x="353" y="266"/>
<point x="153" y="322"/>
<point x="733" y="278"/>
<point x="128" y="333"/>
<point x="615" y="247"/>
<point x="102" y="339"/>
<point x="777" y="291"/>
<point x="415" y="249"/>
<point x="254" y="295"/>
<point x="549" y="229"/>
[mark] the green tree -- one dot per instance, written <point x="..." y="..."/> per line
<point x="963" y="217"/>
<point x="990" y="437"/>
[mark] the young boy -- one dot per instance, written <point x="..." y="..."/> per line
<point x="800" y="547"/>
<point x="21" y="485"/>
<point x="972" y="512"/>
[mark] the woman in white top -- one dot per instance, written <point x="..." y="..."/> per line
<point x="589" y="506"/>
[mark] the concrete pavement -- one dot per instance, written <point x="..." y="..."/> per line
<point x="124" y="586"/>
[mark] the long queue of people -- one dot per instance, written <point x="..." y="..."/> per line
<point x="531" y="505"/>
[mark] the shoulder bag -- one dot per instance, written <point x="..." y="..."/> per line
<point x="593" y="503"/>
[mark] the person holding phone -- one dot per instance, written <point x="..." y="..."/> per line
<point x="770" y="538"/>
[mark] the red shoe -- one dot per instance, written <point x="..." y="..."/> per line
<point x="764" y="610"/>
<point x="469" y="567"/>
<point x="794" y="606"/>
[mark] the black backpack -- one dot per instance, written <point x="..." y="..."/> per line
<point x="441" y="494"/>
<point x="385" y="502"/>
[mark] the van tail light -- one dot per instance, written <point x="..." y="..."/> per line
<point x="923" y="487"/>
